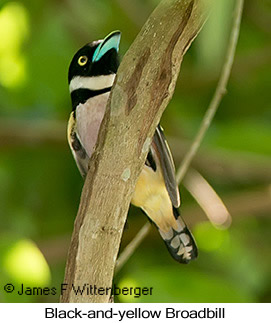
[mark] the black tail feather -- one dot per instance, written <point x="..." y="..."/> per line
<point x="180" y="241"/>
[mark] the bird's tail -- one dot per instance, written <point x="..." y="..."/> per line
<point x="180" y="241"/>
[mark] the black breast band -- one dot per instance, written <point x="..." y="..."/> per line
<point x="82" y="95"/>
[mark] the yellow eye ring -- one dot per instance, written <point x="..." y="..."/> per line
<point x="82" y="60"/>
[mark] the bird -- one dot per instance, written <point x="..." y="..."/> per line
<point x="91" y="75"/>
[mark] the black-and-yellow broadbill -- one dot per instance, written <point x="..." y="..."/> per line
<point x="91" y="76"/>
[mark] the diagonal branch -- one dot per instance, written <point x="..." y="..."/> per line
<point x="144" y="86"/>
<point x="219" y="92"/>
<point x="207" y="120"/>
<point x="131" y="247"/>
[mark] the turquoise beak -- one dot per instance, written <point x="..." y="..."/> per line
<point x="110" y="41"/>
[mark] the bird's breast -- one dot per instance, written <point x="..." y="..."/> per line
<point x="89" y="117"/>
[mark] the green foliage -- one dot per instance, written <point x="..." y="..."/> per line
<point x="40" y="185"/>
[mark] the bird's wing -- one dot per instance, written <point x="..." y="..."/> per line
<point x="167" y="165"/>
<point x="78" y="151"/>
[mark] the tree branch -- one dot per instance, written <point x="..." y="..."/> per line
<point x="256" y="203"/>
<point x="207" y="199"/>
<point x="219" y="92"/>
<point x="144" y="85"/>
<point x="18" y="132"/>
<point x="207" y="119"/>
<point x="131" y="247"/>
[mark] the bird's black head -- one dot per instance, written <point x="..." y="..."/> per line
<point x="97" y="58"/>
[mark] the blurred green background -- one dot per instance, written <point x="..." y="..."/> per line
<point x="40" y="185"/>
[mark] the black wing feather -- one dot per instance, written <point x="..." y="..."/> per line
<point x="167" y="165"/>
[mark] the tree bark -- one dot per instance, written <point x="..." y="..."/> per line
<point x="143" y="87"/>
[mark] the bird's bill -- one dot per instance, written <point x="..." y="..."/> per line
<point x="111" y="41"/>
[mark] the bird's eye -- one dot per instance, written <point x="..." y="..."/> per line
<point x="82" y="60"/>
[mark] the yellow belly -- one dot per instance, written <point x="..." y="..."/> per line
<point x="151" y="195"/>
